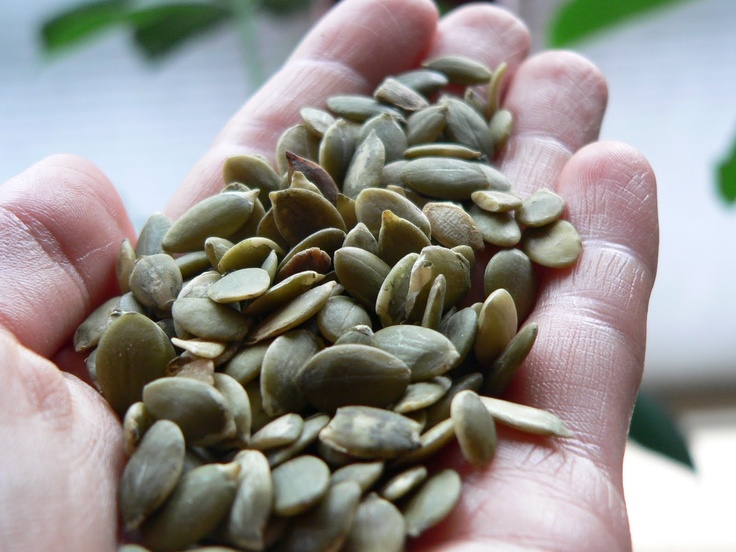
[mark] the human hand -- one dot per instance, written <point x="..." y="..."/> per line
<point x="63" y="223"/>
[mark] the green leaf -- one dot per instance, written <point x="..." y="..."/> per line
<point x="81" y="23"/>
<point x="579" y="19"/>
<point x="726" y="175"/>
<point x="652" y="427"/>
<point x="159" y="30"/>
<point x="284" y="7"/>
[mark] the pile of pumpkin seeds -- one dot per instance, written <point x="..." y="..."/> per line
<point x="289" y="354"/>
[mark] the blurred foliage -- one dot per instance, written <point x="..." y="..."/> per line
<point x="726" y="176"/>
<point x="652" y="427"/>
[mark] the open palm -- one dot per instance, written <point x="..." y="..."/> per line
<point x="61" y="224"/>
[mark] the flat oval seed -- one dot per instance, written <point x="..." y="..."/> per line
<point x="424" y="81"/>
<point x="299" y="484"/>
<point x="136" y="423"/>
<point x="238" y="403"/>
<point x="220" y="215"/>
<point x="283" y="292"/>
<point x="391" y="299"/>
<point x="364" y="474"/>
<point x="352" y="374"/>
<point x="278" y="433"/>
<point x="497" y="325"/>
<point x="432" y="502"/>
<point x="313" y="175"/>
<point x="245" y="366"/>
<point x="495" y="201"/>
<point x="312" y="426"/>
<point x="240" y="285"/>
<point x="474" y="428"/>
<point x="251" y="509"/>
<point x="426" y="126"/>
<point x="370" y="433"/>
<point x="337" y="148"/>
<point x="426" y="352"/>
<point x="444" y="177"/>
<point x="452" y="225"/>
<point x="398" y="237"/>
<point x="191" y="264"/>
<point x="422" y="394"/>
<point x="152" y="473"/>
<point x="339" y="314"/>
<point x="299" y="213"/>
<point x="468" y="127"/>
<point x="498" y="228"/>
<point x="317" y="121"/>
<point x="542" y="207"/>
<point x="124" y="264"/>
<point x="296" y="139"/>
<point x="361" y="273"/>
<point x="461" y="329"/>
<point x="430" y="442"/>
<point x="441" y="409"/>
<point x="372" y="202"/>
<point x="366" y="166"/>
<point x="327" y="526"/>
<point x="90" y="331"/>
<point x="359" y="335"/>
<point x="132" y="352"/>
<point x="435" y="303"/>
<point x="378" y="526"/>
<point x="197" y="408"/>
<point x="312" y="259"/>
<point x="361" y="237"/>
<point x="442" y="150"/>
<point x="525" y="418"/>
<point x="503" y="369"/>
<point x="460" y="69"/>
<point x="152" y="234"/>
<point x="500" y="127"/>
<point x="512" y="270"/>
<point x="199" y="347"/>
<point x="389" y="132"/>
<point x="206" y="319"/>
<point x="403" y="483"/>
<point x="197" y="505"/>
<point x="292" y="314"/>
<point x="358" y="108"/>
<point x="248" y="253"/>
<point x="556" y="245"/>
<point x="328" y="240"/>
<point x="394" y="92"/>
<point x="286" y="355"/>
<point x="156" y="281"/>
<point x="253" y="171"/>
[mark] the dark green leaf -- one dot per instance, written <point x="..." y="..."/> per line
<point x="284" y="7"/>
<point x="159" y="30"/>
<point x="81" y="23"/>
<point x="652" y="427"/>
<point x="727" y="176"/>
<point x="578" y="19"/>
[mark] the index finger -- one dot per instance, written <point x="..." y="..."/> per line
<point x="351" y="49"/>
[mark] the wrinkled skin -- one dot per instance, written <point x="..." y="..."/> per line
<point x="61" y="224"/>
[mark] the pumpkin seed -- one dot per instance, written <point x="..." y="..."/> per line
<point x="389" y="132"/>
<point x="378" y="525"/>
<point x="398" y="94"/>
<point x="555" y="245"/>
<point x="525" y="418"/>
<point x="155" y="281"/>
<point x="365" y="168"/>
<point x="296" y="139"/>
<point x="509" y="361"/>
<point x="513" y="271"/>
<point x="337" y="148"/>
<point x="312" y="426"/>
<point x="253" y="502"/>
<point x="316" y="120"/>
<point x="299" y="484"/>
<point x="278" y="433"/>
<point x="398" y="237"/>
<point x="355" y="107"/>
<point x="474" y="428"/>
<point x="136" y="423"/>
<point x="403" y="483"/>
<point x="427" y="125"/>
<point x="497" y="325"/>
<point x="89" y="332"/>
<point x="151" y="236"/>
<point x="432" y="503"/>
<point x="424" y="81"/>
<point x="254" y="171"/>
<point x="248" y="253"/>
<point x="364" y="474"/>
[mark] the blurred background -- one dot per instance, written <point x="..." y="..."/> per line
<point x="145" y="111"/>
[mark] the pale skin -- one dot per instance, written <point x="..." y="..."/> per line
<point x="62" y="222"/>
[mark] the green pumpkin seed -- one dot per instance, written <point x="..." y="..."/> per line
<point x="267" y="229"/>
<point x="495" y="88"/>
<point x="461" y="330"/>
<point x="361" y="273"/>
<point x="403" y="483"/>
<point x="136" y="423"/>
<point x="542" y="207"/>
<point x="525" y="418"/>
<point x="286" y="355"/>
<point x="474" y="428"/>
<point x="220" y="215"/>
<point x="248" y="253"/>
<point x="362" y="238"/>
<point x="312" y="426"/>
<point x="500" y="127"/>
<point x="427" y="125"/>
<point x="132" y="352"/>
<point x="435" y="303"/>
<point x="358" y="108"/>
<point x="391" y="173"/>
<point x="337" y="148"/>
<point x="299" y="213"/>
<point x="314" y="174"/>
<point x="433" y="502"/>
<point x="259" y="417"/>
<point x="556" y="245"/>
<point x="444" y="177"/>
<point x="152" y="473"/>
<point x="283" y="292"/>
<point x="296" y="139"/>
<point x="365" y="168"/>
<point x="440" y="410"/>
<point x="191" y="264"/>
<point x="437" y="149"/>
<point x="200" y="347"/>
<point x="424" y="81"/>
<point x="309" y="260"/>
<point x="372" y="202"/>
<point x="430" y="442"/>
<point x="390" y="133"/>
<point x="316" y="120"/>
<point x="152" y="234"/>
<point x="364" y="474"/>
<point x="452" y="225"/>
<point x="468" y="127"/>
<point x="513" y="271"/>
<point x="378" y="525"/>
<point x="124" y="264"/>
<point x="390" y="303"/>
<point x="299" y="484"/>
<point x="271" y="265"/>
<point x="460" y="69"/>
<point x="215" y="248"/>
<point x="327" y="526"/>
<point x="352" y="374"/>
<point x="370" y="433"/>
<point x="358" y="335"/>
<point x="495" y="201"/>
<point x="197" y="505"/>
<point x="240" y="285"/>
<point x="422" y="394"/>
<point x="292" y="314"/>
<point x="394" y="92"/>
<point x="238" y="403"/>
<point x="398" y="237"/>
<point x="328" y="240"/>
<point x="503" y="369"/>
<point x="280" y="432"/>
<point x="206" y="319"/>
<point x="90" y="331"/>
<point x="254" y="171"/>
<point x="339" y="314"/>
<point x="253" y="502"/>
<point x="499" y="228"/>
<point x="497" y="325"/>
<point x="155" y="281"/>
<point x="197" y="408"/>
<point x="245" y="366"/>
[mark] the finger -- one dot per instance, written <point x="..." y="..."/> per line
<point x="484" y="33"/>
<point x="59" y="476"/>
<point x="558" y="100"/>
<point x="61" y="226"/>
<point x="350" y="50"/>
<point x="587" y="361"/>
